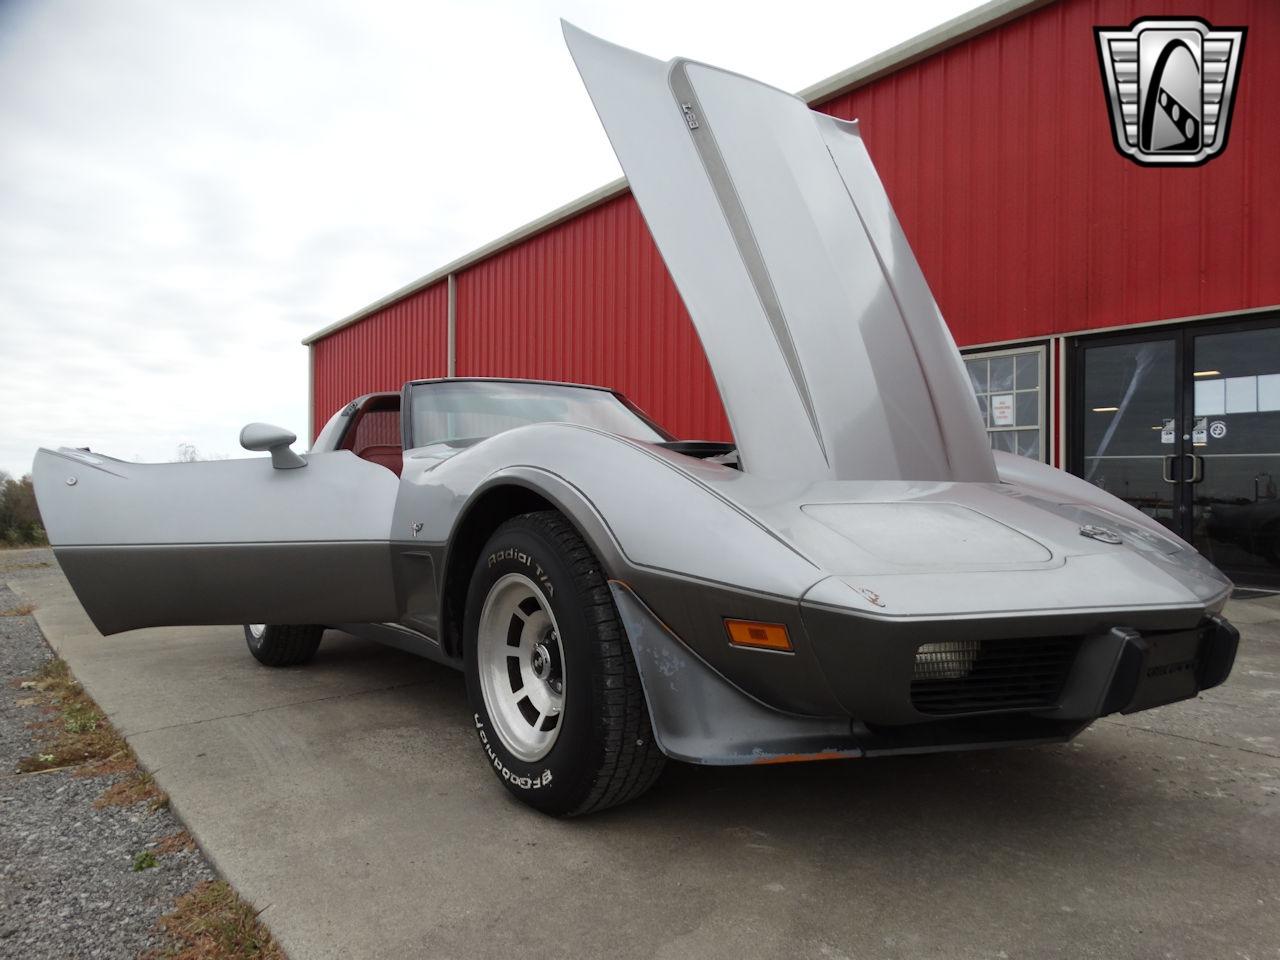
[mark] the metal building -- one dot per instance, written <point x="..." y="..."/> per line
<point x="1119" y="319"/>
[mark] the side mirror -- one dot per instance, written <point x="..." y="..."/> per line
<point x="264" y="436"/>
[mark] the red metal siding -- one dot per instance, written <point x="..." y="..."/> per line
<point x="405" y="341"/>
<point x="590" y="301"/>
<point x="998" y="157"/>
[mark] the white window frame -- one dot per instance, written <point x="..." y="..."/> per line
<point x="1041" y="350"/>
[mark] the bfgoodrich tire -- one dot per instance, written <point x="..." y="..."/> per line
<point x="282" y="646"/>
<point x="554" y="691"/>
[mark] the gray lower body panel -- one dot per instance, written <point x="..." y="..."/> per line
<point x="128" y="587"/>
<point x="700" y="717"/>
<point x="401" y="638"/>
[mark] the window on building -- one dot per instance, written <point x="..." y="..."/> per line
<point x="1009" y="386"/>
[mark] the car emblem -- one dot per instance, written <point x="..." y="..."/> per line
<point x="1170" y="84"/>
<point x="1102" y="534"/>
<point x="870" y="596"/>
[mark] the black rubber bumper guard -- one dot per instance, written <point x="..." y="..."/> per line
<point x="1154" y="670"/>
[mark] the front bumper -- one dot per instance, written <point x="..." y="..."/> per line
<point x="701" y="716"/>
<point x="892" y="671"/>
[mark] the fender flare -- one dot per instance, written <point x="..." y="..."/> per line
<point x="561" y="494"/>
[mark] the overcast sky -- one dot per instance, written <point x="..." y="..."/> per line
<point x="187" y="189"/>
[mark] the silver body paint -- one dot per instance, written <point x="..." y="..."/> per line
<point x="869" y="514"/>
<point x="829" y="351"/>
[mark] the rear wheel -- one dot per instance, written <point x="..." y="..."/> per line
<point x="282" y="646"/>
<point x="555" y="694"/>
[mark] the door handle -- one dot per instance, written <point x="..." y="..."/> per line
<point x="1166" y="471"/>
<point x="1197" y="467"/>
<point x="1260" y="482"/>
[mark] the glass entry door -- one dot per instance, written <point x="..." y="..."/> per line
<point x="1131" y="409"/>
<point x="1185" y="425"/>
<point x="1235" y="447"/>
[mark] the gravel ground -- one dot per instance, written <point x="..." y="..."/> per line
<point x="67" y="883"/>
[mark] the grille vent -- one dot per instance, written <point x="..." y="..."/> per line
<point x="978" y="676"/>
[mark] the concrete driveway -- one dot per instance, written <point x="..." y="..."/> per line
<point x="348" y="799"/>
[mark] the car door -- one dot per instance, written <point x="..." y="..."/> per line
<point x="224" y="541"/>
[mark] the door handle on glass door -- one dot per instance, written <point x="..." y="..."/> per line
<point x="1264" y="488"/>
<point x="1166" y="471"/>
<point x="1197" y="467"/>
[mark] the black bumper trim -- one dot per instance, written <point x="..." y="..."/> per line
<point x="1159" y="669"/>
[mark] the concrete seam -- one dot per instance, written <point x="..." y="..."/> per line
<point x="277" y="706"/>
<point x="1183" y="736"/>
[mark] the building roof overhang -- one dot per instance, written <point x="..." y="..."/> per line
<point x="979" y="20"/>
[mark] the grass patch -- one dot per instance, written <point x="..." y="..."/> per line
<point x="138" y="787"/>
<point x="75" y="733"/>
<point x="179" y="842"/>
<point x="21" y="610"/>
<point x="74" y="730"/>
<point x="211" y="922"/>
<point x="121" y="762"/>
<point x="80" y="718"/>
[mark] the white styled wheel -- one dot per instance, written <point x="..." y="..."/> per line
<point x="522" y="666"/>
<point x="559" y="709"/>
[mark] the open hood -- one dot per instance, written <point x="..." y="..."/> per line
<point x="829" y="351"/>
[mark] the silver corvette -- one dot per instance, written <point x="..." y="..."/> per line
<point x="857" y="574"/>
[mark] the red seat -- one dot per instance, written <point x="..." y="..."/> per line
<point x="388" y="455"/>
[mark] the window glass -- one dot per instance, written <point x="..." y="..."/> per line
<point x="1004" y="440"/>
<point x="333" y="428"/>
<point x="977" y="375"/>
<point x="1236" y="502"/>
<point x="1028" y="408"/>
<point x="1028" y="370"/>
<point x="982" y="409"/>
<point x="1001" y="373"/>
<point x="1008" y="387"/>
<point x="1130" y="390"/>
<point x="461" y="410"/>
<point x="375" y="428"/>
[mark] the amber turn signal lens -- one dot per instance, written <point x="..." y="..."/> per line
<point x="762" y="636"/>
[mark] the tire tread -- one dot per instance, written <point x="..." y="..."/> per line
<point x="287" y="645"/>
<point x="631" y="761"/>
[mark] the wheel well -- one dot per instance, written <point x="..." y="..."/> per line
<point x="492" y="509"/>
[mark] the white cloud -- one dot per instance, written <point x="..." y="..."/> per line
<point x="186" y="190"/>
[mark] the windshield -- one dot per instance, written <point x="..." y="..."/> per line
<point x="474" y="409"/>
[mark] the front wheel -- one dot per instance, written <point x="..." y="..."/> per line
<point x="554" y="691"/>
<point x="275" y="645"/>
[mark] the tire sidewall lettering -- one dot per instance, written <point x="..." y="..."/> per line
<point x="523" y="558"/>
<point x="536" y="782"/>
